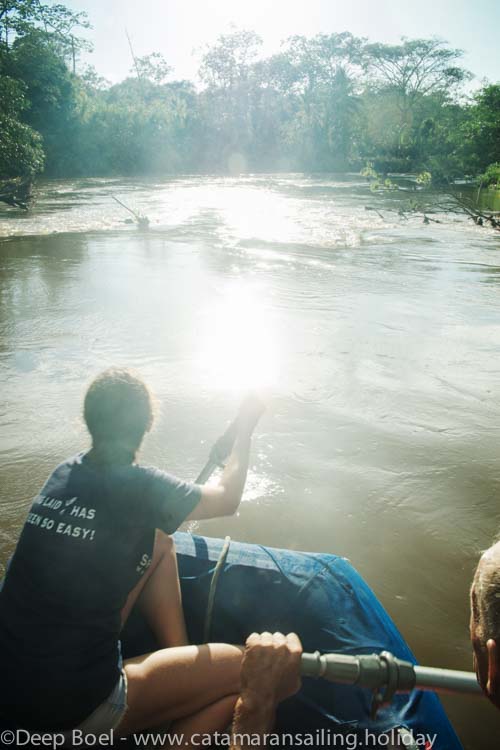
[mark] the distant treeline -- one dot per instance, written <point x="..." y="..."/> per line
<point x="332" y="102"/>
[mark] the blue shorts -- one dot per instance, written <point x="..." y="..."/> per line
<point x="108" y="715"/>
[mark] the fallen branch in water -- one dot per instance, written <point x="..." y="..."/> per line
<point x="142" y="221"/>
<point x="430" y="200"/>
<point x="477" y="215"/>
<point x="371" y="208"/>
<point x="404" y="213"/>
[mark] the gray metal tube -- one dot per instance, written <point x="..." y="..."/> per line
<point x="446" y="680"/>
<point x="374" y="672"/>
<point x="342" y="669"/>
<point x="367" y="670"/>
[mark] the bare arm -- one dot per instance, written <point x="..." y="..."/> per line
<point x="251" y="717"/>
<point x="224" y="498"/>
<point x="270" y="673"/>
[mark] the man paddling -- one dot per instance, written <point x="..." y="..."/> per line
<point x="485" y="622"/>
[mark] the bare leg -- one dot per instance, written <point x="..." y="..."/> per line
<point x="158" y="594"/>
<point x="177" y="683"/>
<point x="196" y="686"/>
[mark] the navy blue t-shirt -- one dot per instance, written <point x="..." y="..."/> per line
<point x="86" y="542"/>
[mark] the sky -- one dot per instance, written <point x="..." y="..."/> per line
<point x="180" y="29"/>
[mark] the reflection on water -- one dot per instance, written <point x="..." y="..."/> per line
<point x="238" y="349"/>
<point x="377" y="336"/>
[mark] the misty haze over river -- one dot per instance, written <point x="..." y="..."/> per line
<point x="378" y="337"/>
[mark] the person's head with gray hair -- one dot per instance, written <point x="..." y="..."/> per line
<point x="485" y="622"/>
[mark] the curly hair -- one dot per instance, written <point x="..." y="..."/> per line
<point x="118" y="410"/>
<point x="485" y="594"/>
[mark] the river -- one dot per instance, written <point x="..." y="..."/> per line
<point x="375" y="335"/>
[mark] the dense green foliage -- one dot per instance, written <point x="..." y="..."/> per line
<point x="327" y="103"/>
<point x="491" y="178"/>
<point x="37" y="91"/>
<point x="21" y="151"/>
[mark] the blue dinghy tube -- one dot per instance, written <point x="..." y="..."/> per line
<point x="325" y="601"/>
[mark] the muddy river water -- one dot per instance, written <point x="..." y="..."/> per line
<point x="376" y="336"/>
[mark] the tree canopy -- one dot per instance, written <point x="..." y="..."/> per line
<point x="323" y="103"/>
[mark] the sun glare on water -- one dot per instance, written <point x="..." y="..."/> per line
<point x="239" y="351"/>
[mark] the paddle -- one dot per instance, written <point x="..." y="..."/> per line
<point x="219" y="452"/>
<point x="373" y="671"/>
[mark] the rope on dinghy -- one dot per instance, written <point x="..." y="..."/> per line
<point x="213" y="588"/>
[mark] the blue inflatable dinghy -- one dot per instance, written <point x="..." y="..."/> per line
<point x="327" y="603"/>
